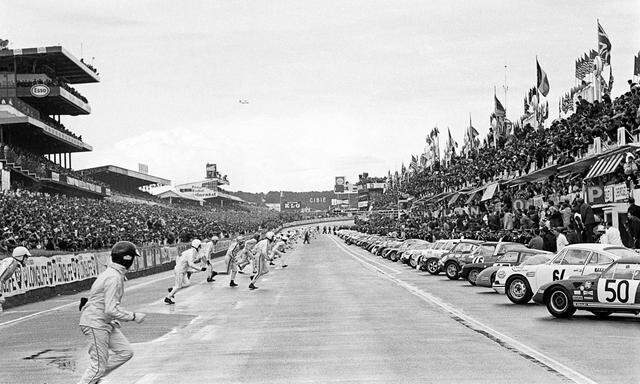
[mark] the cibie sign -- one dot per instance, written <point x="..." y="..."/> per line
<point x="40" y="90"/>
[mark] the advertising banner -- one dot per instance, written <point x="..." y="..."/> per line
<point x="41" y="272"/>
<point x="620" y="192"/>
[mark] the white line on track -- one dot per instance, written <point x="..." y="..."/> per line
<point x="127" y="289"/>
<point x="537" y="357"/>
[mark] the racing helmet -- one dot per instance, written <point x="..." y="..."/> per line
<point x="20" y="254"/>
<point x="123" y="253"/>
<point x="240" y="240"/>
<point x="215" y="239"/>
<point x="195" y="243"/>
<point x="270" y="235"/>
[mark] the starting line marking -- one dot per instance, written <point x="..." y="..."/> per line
<point x="75" y="302"/>
<point x="503" y="340"/>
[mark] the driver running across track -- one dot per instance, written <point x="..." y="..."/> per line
<point x="185" y="263"/>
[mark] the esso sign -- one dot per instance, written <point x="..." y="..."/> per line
<point x="40" y="90"/>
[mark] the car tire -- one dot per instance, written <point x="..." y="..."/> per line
<point x="393" y="256"/>
<point x="602" y="315"/>
<point x="432" y="266"/>
<point x="560" y="303"/>
<point x="452" y="271"/>
<point x="473" y="276"/>
<point x="413" y="263"/>
<point x="518" y="290"/>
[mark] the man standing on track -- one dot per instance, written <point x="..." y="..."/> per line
<point x="9" y="265"/>
<point x="185" y="263"/>
<point x="306" y="237"/>
<point x="102" y="314"/>
<point x="261" y="252"/>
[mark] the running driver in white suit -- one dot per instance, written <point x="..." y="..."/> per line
<point x="9" y="265"/>
<point x="236" y="249"/>
<point x="102" y="314"/>
<point x="185" y="263"/>
<point x="261" y="252"/>
<point x="277" y="252"/>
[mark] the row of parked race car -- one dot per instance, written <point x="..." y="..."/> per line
<point x="599" y="278"/>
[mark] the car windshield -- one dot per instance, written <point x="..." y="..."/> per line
<point x="465" y="247"/>
<point x="485" y="250"/>
<point x="623" y="252"/>
<point x="535" y="260"/>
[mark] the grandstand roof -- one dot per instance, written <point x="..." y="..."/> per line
<point x="114" y="175"/>
<point x="173" y="194"/>
<point x="35" y="135"/>
<point x="59" y="59"/>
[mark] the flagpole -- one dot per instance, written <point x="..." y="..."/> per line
<point x="505" y="91"/>
<point x="537" y="94"/>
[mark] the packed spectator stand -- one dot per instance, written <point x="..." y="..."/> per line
<point x="445" y="203"/>
<point x="65" y="223"/>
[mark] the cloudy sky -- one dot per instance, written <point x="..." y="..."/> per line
<point x="334" y="87"/>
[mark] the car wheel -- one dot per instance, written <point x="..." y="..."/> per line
<point x="518" y="290"/>
<point x="393" y="256"/>
<point x="451" y="269"/>
<point x="413" y="263"/>
<point x="559" y="303"/>
<point x="602" y="315"/>
<point x="473" y="276"/>
<point x="432" y="266"/>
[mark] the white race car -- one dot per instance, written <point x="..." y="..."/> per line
<point x="521" y="282"/>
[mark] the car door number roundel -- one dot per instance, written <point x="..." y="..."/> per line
<point x="617" y="291"/>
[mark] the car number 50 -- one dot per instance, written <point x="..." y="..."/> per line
<point x="619" y="293"/>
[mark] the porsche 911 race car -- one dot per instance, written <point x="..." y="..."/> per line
<point x="521" y="257"/>
<point x="487" y="251"/>
<point x="613" y="290"/>
<point x="504" y="254"/>
<point x="521" y="282"/>
<point x="428" y="260"/>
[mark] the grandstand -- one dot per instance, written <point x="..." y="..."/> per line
<point x="125" y="181"/>
<point x="203" y="192"/>
<point x="35" y="147"/>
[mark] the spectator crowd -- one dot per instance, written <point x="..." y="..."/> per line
<point x="560" y="215"/>
<point x="59" y="222"/>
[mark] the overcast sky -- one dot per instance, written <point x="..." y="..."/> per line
<point x="334" y="87"/>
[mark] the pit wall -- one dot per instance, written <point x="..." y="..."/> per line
<point x="44" y="277"/>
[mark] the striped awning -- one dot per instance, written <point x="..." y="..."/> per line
<point x="605" y="166"/>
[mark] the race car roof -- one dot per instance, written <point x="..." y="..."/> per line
<point x="629" y="260"/>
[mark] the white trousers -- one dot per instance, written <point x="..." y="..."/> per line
<point x="100" y="342"/>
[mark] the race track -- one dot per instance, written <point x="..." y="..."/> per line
<point x="337" y="314"/>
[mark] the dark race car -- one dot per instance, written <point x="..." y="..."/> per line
<point x="613" y="290"/>
<point x="509" y="254"/>
<point x="451" y="262"/>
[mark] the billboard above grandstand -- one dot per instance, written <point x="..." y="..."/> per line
<point x="212" y="171"/>
<point x="339" y="186"/>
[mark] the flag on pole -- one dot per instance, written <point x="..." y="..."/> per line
<point x="543" y="80"/>
<point x="636" y="65"/>
<point x="499" y="109"/>
<point x="604" y="45"/>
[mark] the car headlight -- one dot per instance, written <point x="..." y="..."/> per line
<point x="501" y="274"/>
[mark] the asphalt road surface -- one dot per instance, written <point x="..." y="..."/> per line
<point x="336" y="315"/>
